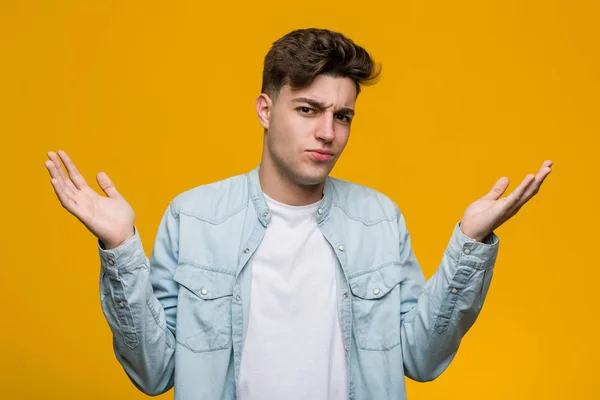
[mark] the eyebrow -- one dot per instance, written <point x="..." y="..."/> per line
<point x="321" y="106"/>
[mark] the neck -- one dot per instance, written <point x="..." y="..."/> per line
<point x="280" y="187"/>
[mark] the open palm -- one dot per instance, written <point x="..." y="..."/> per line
<point x="109" y="218"/>
<point x="488" y="213"/>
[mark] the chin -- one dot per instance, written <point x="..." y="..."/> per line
<point x="304" y="172"/>
<point x="312" y="181"/>
<point x="312" y="176"/>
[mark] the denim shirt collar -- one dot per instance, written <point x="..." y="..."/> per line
<point x="262" y="209"/>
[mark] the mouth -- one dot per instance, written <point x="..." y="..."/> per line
<point x="320" y="155"/>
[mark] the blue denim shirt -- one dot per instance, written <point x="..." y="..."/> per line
<point x="179" y="318"/>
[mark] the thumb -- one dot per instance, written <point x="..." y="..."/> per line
<point x="106" y="185"/>
<point x="498" y="189"/>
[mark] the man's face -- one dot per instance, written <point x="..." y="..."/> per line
<point x="307" y="129"/>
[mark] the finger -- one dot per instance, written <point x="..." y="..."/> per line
<point x="59" y="173"/>
<point x="74" y="173"/>
<point x="64" y="194"/>
<point x="498" y="189"/>
<point x="513" y="200"/>
<point x="541" y="176"/>
<point x="52" y="170"/>
<point x="55" y="174"/>
<point x="106" y="185"/>
<point x="58" y="165"/>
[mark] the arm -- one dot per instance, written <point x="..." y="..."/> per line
<point x="139" y="301"/>
<point x="138" y="295"/>
<point x="436" y="315"/>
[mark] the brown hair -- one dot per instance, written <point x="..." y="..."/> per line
<point x="298" y="57"/>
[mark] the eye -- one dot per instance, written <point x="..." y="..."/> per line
<point x="305" y="110"/>
<point x="343" y="117"/>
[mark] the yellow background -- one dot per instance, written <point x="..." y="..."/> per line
<point x="160" y="95"/>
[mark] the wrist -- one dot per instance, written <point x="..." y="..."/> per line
<point x="117" y="242"/>
<point x="478" y="237"/>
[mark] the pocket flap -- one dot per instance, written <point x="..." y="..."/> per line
<point x="204" y="283"/>
<point x="378" y="283"/>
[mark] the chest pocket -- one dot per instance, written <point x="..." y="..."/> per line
<point x="203" y="308"/>
<point x="376" y="307"/>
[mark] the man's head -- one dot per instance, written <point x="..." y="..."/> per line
<point x="311" y="79"/>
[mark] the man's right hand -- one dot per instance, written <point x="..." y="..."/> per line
<point x="110" y="218"/>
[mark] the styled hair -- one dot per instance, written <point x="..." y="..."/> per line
<point x="298" y="57"/>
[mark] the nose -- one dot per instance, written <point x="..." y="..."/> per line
<point x="325" y="129"/>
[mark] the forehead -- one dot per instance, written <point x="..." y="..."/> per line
<point x="334" y="90"/>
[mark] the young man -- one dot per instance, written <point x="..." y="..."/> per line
<point x="285" y="283"/>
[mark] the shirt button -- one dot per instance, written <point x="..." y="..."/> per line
<point x="454" y="291"/>
<point x="265" y="214"/>
<point x="246" y="250"/>
<point x="345" y="295"/>
<point x="320" y="211"/>
<point x="467" y="251"/>
<point x="121" y="304"/>
<point x="341" y="247"/>
<point x="375" y="292"/>
<point x="204" y="291"/>
<point x="238" y="298"/>
<point x="111" y="261"/>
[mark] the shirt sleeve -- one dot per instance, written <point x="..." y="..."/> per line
<point x="139" y="300"/>
<point x="436" y="314"/>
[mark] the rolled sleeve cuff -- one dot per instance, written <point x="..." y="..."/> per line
<point x="127" y="256"/>
<point x="467" y="251"/>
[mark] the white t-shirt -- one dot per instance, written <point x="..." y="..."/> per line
<point x="293" y="347"/>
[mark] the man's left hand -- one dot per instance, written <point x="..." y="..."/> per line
<point x="486" y="214"/>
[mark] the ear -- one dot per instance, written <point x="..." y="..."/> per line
<point x="264" y="106"/>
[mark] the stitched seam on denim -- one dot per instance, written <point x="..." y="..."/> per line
<point x="451" y="256"/>
<point x="481" y="289"/>
<point x="110" y="300"/>
<point x="128" y="315"/>
<point x="256" y="196"/>
<point x="480" y="265"/>
<point x="206" y="267"/>
<point x="133" y="267"/>
<point x="363" y="221"/>
<point x="127" y="312"/>
<point x="367" y="271"/>
<point x="174" y="211"/>
<point x="202" y="351"/>
<point x="325" y="218"/>
<point x="384" y="349"/>
<point x="461" y="278"/>
<point x="445" y="315"/>
<point x="213" y="221"/>
<point x="448" y="305"/>
<point x="155" y="317"/>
